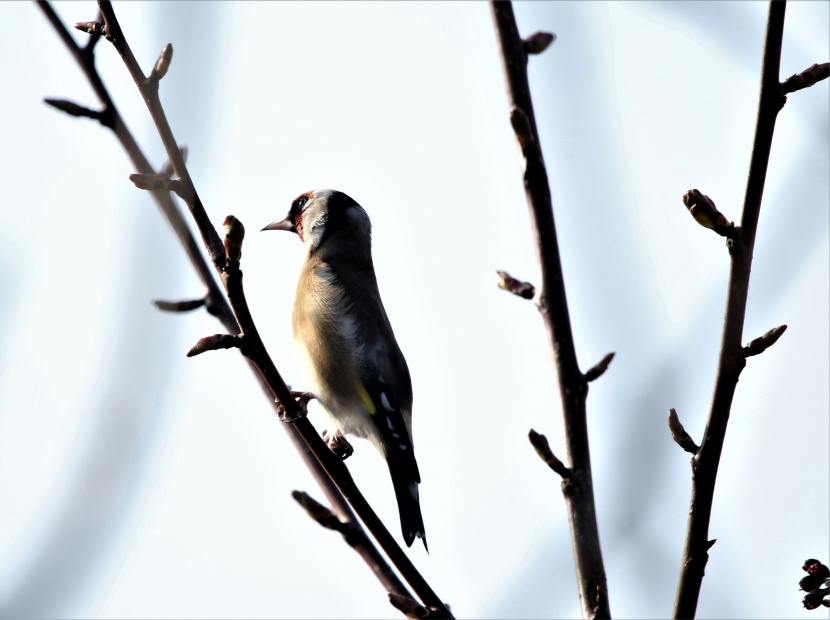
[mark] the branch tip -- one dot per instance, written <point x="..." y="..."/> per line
<point x="762" y="343"/>
<point x="540" y="443"/>
<point x="538" y="42"/>
<point x="710" y="543"/>
<point x="599" y="369"/>
<point x="214" y="343"/>
<point x="525" y="290"/>
<point x="679" y="434"/>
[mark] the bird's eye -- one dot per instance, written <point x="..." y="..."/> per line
<point x="300" y="202"/>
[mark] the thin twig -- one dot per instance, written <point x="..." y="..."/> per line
<point x="551" y="301"/>
<point x="216" y="302"/>
<point x="732" y="358"/>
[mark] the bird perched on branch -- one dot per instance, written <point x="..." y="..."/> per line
<point x="340" y="326"/>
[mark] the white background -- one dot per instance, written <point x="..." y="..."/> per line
<point x="135" y="482"/>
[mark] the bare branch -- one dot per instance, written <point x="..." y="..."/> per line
<point x="356" y="538"/>
<point x="551" y="301"/>
<point x="333" y="477"/>
<point x="731" y="359"/>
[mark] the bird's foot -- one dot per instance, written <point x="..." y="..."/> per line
<point x="338" y="444"/>
<point x="302" y="399"/>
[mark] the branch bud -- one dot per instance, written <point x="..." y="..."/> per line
<point x="233" y="238"/>
<point x="521" y="126"/>
<point x="762" y="343"/>
<point x="599" y="369"/>
<point x="507" y="282"/>
<point x="96" y="28"/>
<point x="324" y="516"/>
<point x="706" y="214"/>
<point x="156" y="182"/>
<point x="409" y="607"/>
<point x="163" y="63"/>
<point x="538" y="42"/>
<point x="214" y="343"/>
<point x="540" y="443"/>
<point x="679" y="434"/>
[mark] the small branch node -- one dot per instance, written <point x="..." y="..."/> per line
<point x="762" y="343"/>
<point x="538" y="42"/>
<point x="216" y="342"/>
<point x="540" y="443"/>
<point x="805" y="79"/>
<point x="521" y="126"/>
<point x="179" y="306"/>
<point x="597" y="371"/>
<point x="235" y="233"/>
<point x="525" y="290"/>
<point x="706" y="214"/>
<point x="679" y="434"/>
<point x="710" y="543"/>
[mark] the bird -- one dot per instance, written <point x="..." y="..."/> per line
<point x="340" y="327"/>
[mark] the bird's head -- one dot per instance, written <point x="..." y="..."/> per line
<point x="321" y="214"/>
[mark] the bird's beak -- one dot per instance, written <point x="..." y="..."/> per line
<point x="285" y="224"/>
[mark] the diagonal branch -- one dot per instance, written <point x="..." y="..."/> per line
<point x="732" y="358"/>
<point x="552" y="303"/>
<point x="322" y="464"/>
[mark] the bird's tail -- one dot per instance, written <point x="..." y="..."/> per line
<point x="409" y="506"/>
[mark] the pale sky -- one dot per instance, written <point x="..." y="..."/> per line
<point x="135" y="482"/>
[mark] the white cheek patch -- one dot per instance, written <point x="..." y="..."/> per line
<point x="385" y="402"/>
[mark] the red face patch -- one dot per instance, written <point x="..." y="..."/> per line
<point x="298" y="224"/>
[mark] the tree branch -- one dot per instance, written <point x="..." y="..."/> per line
<point x="329" y="471"/>
<point x="732" y="358"/>
<point x="552" y="304"/>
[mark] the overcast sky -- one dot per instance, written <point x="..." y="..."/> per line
<point x="135" y="482"/>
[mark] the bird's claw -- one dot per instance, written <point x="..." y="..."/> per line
<point x="302" y="399"/>
<point x="338" y="444"/>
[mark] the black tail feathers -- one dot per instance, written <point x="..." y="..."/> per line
<point x="409" y="507"/>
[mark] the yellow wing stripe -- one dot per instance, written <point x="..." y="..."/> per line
<point x="366" y="399"/>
